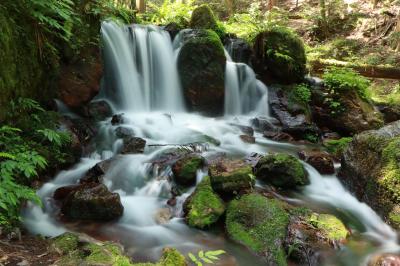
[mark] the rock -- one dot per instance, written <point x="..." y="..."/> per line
<point x="124" y="132"/>
<point x="185" y="169"/>
<point x="62" y="193"/>
<point x="259" y="224"/>
<point x="163" y="216"/>
<point x="281" y="170"/>
<point x="321" y="161"/>
<point x="204" y="18"/>
<point x="281" y="54"/>
<point x="310" y="239"/>
<point x="385" y="260"/>
<point x="65" y="243"/>
<point x="82" y="131"/>
<point x="239" y="50"/>
<point x="248" y="139"/>
<point x="133" y="145"/>
<point x="253" y="159"/>
<point x="173" y="29"/>
<point x="97" y="172"/>
<point x="265" y="124"/>
<point x="201" y="66"/>
<point x="117" y="119"/>
<point x="92" y="202"/>
<point x="348" y="114"/>
<point x="245" y="129"/>
<point x="80" y="82"/>
<point x="295" y="122"/>
<point x="370" y="169"/>
<point x="204" y="207"/>
<point x="230" y="176"/>
<point x="277" y="136"/>
<point x="391" y="112"/>
<point x="99" y="110"/>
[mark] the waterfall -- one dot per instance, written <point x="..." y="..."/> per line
<point x="244" y="94"/>
<point x="140" y="72"/>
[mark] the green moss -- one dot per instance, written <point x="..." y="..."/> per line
<point x="391" y="169"/>
<point x="394" y="216"/>
<point x="107" y="254"/>
<point x="171" y="257"/>
<point x="284" y="54"/>
<point x="187" y="172"/>
<point x="260" y="224"/>
<point x="281" y="170"/>
<point x="65" y="243"/>
<point x="330" y="225"/>
<point x="337" y="147"/>
<point x="235" y="176"/>
<point x="204" y="207"/>
<point x="204" y="18"/>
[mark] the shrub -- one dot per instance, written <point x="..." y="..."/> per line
<point x="301" y="94"/>
<point x="169" y="12"/>
<point x="344" y="79"/>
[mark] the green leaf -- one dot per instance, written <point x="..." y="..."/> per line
<point x="194" y="259"/>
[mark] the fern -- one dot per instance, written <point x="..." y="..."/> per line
<point x="206" y="257"/>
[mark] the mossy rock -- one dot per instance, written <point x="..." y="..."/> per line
<point x="231" y="176"/>
<point x="281" y="53"/>
<point x="281" y="170"/>
<point x="170" y="257"/>
<point x="185" y="169"/>
<point x="107" y="254"/>
<point x="204" y="207"/>
<point x="65" y="243"/>
<point x="260" y="224"/>
<point x="203" y="18"/>
<point x="330" y="226"/>
<point x="201" y="66"/>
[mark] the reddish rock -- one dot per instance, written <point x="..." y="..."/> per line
<point x="277" y="136"/>
<point x="322" y="161"/>
<point x="248" y="139"/>
<point x="385" y="260"/>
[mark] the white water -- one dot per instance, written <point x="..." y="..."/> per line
<point x="143" y="192"/>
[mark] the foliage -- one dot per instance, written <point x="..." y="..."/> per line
<point x="344" y="79"/>
<point x="29" y="143"/>
<point x="337" y="147"/>
<point x="169" y="11"/>
<point x="301" y="94"/>
<point x="249" y="24"/>
<point x="206" y="257"/>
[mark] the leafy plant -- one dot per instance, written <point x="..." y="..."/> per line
<point x="170" y="11"/>
<point x="301" y="94"/>
<point x="206" y="257"/>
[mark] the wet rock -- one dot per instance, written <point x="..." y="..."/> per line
<point x="173" y="29"/>
<point x="99" y="110"/>
<point x="133" y="145"/>
<point x="92" y="202"/>
<point x="245" y="129"/>
<point x="63" y="192"/>
<point x="350" y="115"/>
<point x="260" y="224"/>
<point x="65" y="243"/>
<point x="230" y="176"/>
<point x="201" y="66"/>
<point x="203" y="18"/>
<point x="370" y="169"/>
<point x="321" y="161"/>
<point x="385" y="260"/>
<point x="80" y="82"/>
<point x="204" y="207"/>
<point x="281" y="170"/>
<point x="163" y="216"/>
<point x="310" y="239"/>
<point x="280" y="54"/>
<point x="239" y="50"/>
<point x="391" y="112"/>
<point x="97" y="172"/>
<point x="185" y="169"/>
<point x="253" y="159"/>
<point x="277" y="136"/>
<point x="265" y="124"/>
<point x="248" y="139"/>
<point x="117" y="119"/>
<point x="124" y="132"/>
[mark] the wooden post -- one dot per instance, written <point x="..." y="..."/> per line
<point x="141" y="6"/>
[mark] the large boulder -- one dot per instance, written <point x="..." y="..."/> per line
<point x="203" y="18"/>
<point x="280" y="54"/>
<point x="132" y="145"/>
<point x="201" y="65"/>
<point x="281" y="170"/>
<point x="260" y="224"/>
<point x="185" y="169"/>
<point x="322" y="161"/>
<point x="99" y="110"/>
<point x="231" y="176"/>
<point x="239" y="50"/>
<point x="204" y="207"/>
<point x="371" y="169"/>
<point x="92" y="202"/>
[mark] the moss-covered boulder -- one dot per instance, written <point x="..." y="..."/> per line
<point x="201" y="66"/>
<point x="65" y="243"/>
<point x="185" y="169"/>
<point x="231" y="176"/>
<point x="204" y="207"/>
<point x="313" y="237"/>
<point x="203" y="18"/>
<point x="281" y="170"/>
<point x="371" y="170"/>
<point x="260" y="224"/>
<point x="280" y="53"/>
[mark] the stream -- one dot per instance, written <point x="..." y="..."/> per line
<point x="142" y="82"/>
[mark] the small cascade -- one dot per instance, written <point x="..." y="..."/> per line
<point x="244" y="93"/>
<point x="140" y="69"/>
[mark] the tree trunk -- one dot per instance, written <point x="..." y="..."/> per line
<point x="141" y="6"/>
<point x="324" y="22"/>
<point x="370" y="71"/>
<point x="398" y="33"/>
<point x="374" y="3"/>
<point x="271" y="4"/>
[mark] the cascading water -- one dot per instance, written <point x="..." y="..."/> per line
<point x="134" y="58"/>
